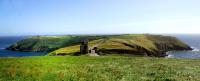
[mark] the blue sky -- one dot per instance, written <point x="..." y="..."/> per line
<point x="42" y="17"/>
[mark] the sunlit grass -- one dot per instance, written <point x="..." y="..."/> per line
<point x="66" y="50"/>
<point x="128" y="42"/>
<point x="104" y="68"/>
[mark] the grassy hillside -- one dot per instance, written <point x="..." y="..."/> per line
<point x="48" y="43"/>
<point x="104" y="68"/>
<point x="143" y="44"/>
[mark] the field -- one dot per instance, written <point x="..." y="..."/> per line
<point x="103" y="68"/>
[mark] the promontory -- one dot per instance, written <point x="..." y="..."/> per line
<point x="134" y="44"/>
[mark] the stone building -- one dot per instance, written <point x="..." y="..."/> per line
<point x="84" y="46"/>
<point x="85" y="49"/>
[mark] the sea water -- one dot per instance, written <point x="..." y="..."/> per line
<point x="193" y="40"/>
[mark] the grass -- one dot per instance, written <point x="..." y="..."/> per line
<point x="71" y="50"/>
<point x="49" y="43"/>
<point x="143" y="44"/>
<point x="103" y="68"/>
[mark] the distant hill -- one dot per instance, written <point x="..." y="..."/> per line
<point x="136" y="44"/>
<point x="47" y="43"/>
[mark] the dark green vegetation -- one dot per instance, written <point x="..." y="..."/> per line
<point x="47" y="43"/>
<point x="103" y="68"/>
<point x="141" y="44"/>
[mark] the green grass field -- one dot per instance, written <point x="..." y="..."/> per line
<point x="103" y="68"/>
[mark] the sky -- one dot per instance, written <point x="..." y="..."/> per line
<point x="52" y="17"/>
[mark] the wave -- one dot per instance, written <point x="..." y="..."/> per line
<point x="2" y="48"/>
<point x="195" y="49"/>
<point x="170" y="56"/>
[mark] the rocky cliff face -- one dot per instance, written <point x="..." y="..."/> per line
<point x="142" y="44"/>
<point x="167" y="43"/>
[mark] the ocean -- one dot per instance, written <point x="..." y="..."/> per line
<point x="191" y="40"/>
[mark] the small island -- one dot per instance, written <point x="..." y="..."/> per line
<point x="133" y="44"/>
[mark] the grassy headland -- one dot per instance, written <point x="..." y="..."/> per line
<point x="142" y="44"/>
<point x="103" y="68"/>
<point x="47" y="43"/>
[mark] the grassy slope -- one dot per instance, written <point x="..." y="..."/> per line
<point x="107" y="68"/>
<point x="72" y="49"/>
<point x="133" y="42"/>
<point x="143" y="44"/>
<point x="48" y="43"/>
<point x="34" y="43"/>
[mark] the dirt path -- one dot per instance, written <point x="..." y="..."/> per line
<point x="93" y="52"/>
